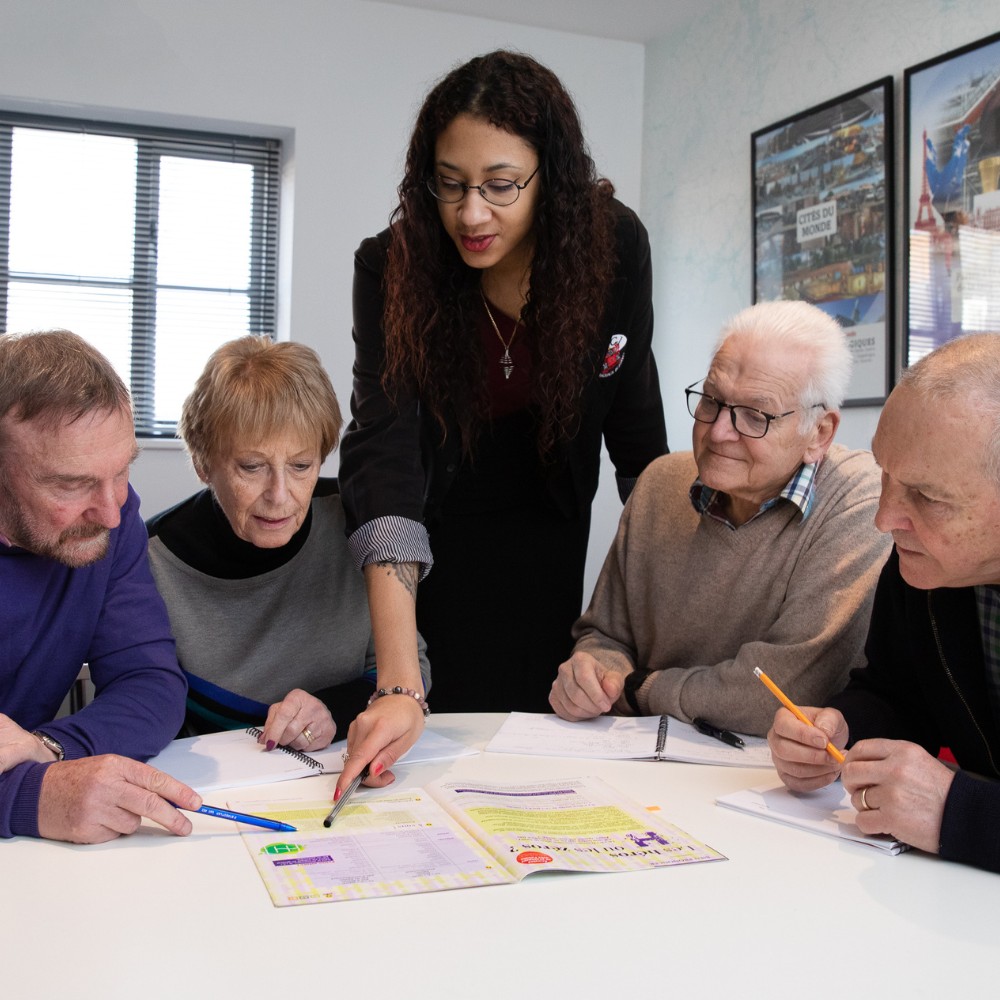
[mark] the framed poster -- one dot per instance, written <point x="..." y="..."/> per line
<point x="822" y="221"/>
<point x="952" y="198"/>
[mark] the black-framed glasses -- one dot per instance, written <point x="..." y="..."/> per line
<point x="747" y="420"/>
<point x="497" y="190"/>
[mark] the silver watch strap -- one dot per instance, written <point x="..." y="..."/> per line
<point x="50" y="744"/>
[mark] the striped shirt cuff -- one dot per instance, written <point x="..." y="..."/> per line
<point x="391" y="540"/>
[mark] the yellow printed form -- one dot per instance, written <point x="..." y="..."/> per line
<point x="597" y="819"/>
<point x="581" y="824"/>
<point x="456" y="835"/>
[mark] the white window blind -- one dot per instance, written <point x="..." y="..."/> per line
<point x="155" y="245"/>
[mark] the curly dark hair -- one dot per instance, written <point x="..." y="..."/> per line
<point x="432" y="296"/>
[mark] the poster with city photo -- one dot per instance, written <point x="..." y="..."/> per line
<point x="822" y="223"/>
<point x="952" y="197"/>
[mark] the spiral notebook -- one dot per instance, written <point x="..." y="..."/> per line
<point x="235" y="758"/>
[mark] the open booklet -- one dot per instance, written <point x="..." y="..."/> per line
<point x="608" y="737"/>
<point x="827" y="810"/>
<point x="234" y="758"/>
<point x="456" y="835"/>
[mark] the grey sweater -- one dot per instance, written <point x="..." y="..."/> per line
<point x="304" y="624"/>
<point x="702" y="604"/>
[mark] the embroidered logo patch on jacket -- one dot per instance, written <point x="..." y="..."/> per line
<point x="614" y="356"/>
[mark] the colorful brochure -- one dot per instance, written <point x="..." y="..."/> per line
<point x="456" y="835"/>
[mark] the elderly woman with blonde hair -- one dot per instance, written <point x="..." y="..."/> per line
<point x="269" y="612"/>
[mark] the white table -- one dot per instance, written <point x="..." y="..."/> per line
<point x="790" y="914"/>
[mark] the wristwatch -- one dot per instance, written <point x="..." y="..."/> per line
<point x="633" y="682"/>
<point x="50" y="744"/>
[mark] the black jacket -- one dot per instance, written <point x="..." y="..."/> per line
<point x="926" y="682"/>
<point x="393" y="462"/>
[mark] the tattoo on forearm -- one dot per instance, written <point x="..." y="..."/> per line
<point x="407" y="574"/>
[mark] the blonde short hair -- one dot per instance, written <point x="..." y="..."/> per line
<point x="253" y="388"/>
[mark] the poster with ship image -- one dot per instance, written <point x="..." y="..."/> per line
<point x="952" y="197"/>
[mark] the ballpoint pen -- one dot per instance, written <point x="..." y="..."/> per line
<point x="348" y="792"/>
<point x="795" y="710"/>
<point x="720" y="734"/>
<point x="238" y="817"/>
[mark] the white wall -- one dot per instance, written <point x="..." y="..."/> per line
<point x="340" y="81"/>
<point x="732" y="69"/>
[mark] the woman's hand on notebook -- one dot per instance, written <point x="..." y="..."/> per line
<point x="300" y="721"/>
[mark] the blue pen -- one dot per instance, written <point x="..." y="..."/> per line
<point x="268" y="824"/>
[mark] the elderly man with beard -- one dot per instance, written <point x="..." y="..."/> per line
<point x="77" y="589"/>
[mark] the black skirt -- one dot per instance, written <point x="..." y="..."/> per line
<point x="507" y="583"/>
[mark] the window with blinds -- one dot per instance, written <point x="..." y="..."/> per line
<point x="155" y="245"/>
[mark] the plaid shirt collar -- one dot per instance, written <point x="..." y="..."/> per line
<point x="799" y="490"/>
<point x="988" y="602"/>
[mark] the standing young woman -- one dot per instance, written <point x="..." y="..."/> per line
<point x="502" y="327"/>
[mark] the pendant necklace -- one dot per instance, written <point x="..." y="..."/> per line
<point x="505" y="360"/>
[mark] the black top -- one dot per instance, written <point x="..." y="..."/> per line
<point x="926" y="682"/>
<point x="198" y="532"/>
<point x="393" y="461"/>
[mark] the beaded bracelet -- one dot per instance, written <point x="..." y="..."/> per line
<point x="415" y="695"/>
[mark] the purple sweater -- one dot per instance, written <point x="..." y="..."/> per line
<point x="53" y="619"/>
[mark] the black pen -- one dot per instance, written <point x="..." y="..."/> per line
<point x="342" y="801"/>
<point x="720" y="734"/>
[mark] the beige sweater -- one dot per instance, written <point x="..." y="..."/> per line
<point x="702" y="604"/>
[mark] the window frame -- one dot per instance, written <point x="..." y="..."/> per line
<point x="263" y="153"/>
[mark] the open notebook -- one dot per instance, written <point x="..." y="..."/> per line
<point x="827" y="810"/>
<point x="235" y="758"/>
<point x="608" y="737"/>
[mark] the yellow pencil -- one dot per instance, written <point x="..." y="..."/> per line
<point x="795" y="710"/>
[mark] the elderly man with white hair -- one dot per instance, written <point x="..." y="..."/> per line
<point x="759" y="549"/>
